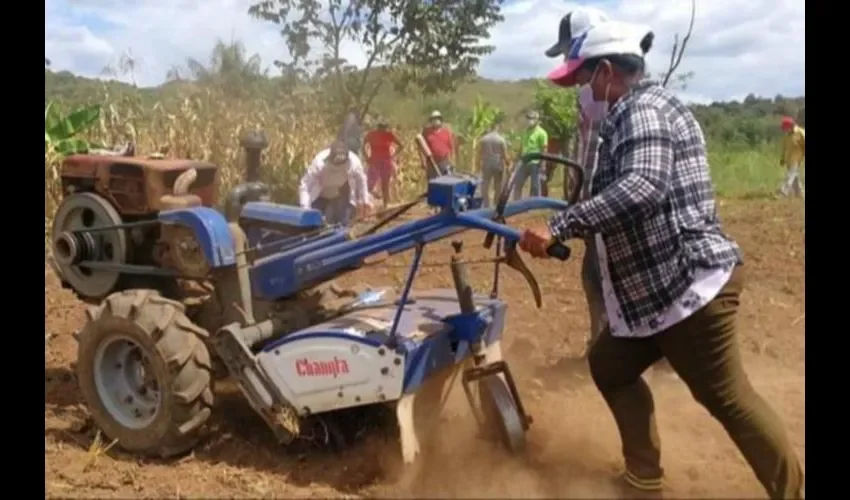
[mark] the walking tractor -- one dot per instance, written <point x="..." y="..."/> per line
<point x="181" y="295"/>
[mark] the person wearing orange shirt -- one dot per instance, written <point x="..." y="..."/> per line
<point x="381" y="147"/>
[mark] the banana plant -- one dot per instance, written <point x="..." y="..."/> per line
<point x="61" y="132"/>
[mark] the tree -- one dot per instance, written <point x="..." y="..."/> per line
<point x="676" y="81"/>
<point x="679" y="50"/>
<point x="125" y="66"/>
<point x="431" y="45"/>
<point x="558" y="111"/>
<point x="229" y="67"/>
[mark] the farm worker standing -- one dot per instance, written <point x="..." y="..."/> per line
<point x="793" y="154"/>
<point x="671" y="279"/>
<point x="352" y="131"/>
<point x="493" y="158"/>
<point x="383" y="147"/>
<point x="441" y="142"/>
<point x="335" y="184"/>
<point x="533" y="140"/>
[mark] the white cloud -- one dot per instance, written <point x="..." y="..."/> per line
<point x="737" y="47"/>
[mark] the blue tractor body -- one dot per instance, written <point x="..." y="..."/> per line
<point x="381" y="346"/>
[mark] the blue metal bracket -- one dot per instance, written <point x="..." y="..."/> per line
<point x="466" y="327"/>
<point x="411" y="275"/>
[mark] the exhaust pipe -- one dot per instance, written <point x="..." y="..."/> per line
<point x="241" y="194"/>
<point x="254" y="143"/>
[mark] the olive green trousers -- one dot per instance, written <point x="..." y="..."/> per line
<point x="703" y="350"/>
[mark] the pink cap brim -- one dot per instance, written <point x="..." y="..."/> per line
<point x="565" y="74"/>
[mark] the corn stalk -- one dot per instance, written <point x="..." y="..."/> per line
<point x="482" y="116"/>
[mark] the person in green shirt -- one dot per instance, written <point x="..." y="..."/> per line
<point x="534" y="140"/>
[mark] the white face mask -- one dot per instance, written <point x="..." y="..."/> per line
<point x="592" y="109"/>
<point x="531" y="122"/>
<point x="595" y="111"/>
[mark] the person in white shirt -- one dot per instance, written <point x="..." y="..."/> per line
<point x="335" y="184"/>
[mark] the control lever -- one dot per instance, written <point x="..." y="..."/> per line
<point x="559" y="251"/>
<point x="515" y="262"/>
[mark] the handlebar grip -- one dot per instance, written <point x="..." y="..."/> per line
<point x="559" y="251"/>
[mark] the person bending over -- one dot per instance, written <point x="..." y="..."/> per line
<point x="335" y="184"/>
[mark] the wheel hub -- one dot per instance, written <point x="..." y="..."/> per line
<point x="73" y="243"/>
<point x="126" y="383"/>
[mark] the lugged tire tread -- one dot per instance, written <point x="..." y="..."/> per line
<point x="180" y="344"/>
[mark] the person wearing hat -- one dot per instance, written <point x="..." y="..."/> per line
<point x="382" y="146"/>
<point x="590" y="115"/>
<point x="493" y="162"/>
<point x="671" y="278"/>
<point x="441" y="142"/>
<point x="573" y="24"/>
<point x="335" y="184"/>
<point x="793" y="154"/>
<point x="533" y="140"/>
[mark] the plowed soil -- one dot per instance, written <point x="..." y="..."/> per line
<point x="573" y="445"/>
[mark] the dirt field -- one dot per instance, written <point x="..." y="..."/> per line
<point x="574" y="448"/>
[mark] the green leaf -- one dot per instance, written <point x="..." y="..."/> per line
<point x="557" y="108"/>
<point x="51" y="117"/>
<point x="71" y="146"/>
<point x="74" y="123"/>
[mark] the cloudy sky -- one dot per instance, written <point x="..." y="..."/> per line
<point x="738" y="47"/>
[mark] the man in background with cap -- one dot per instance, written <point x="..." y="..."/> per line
<point x="441" y="142"/>
<point x="793" y="154"/>
<point x="533" y="140"/>
<point x="590" y="116"/>
<point x="335" y="184"/>
<point x="671" y="279"/>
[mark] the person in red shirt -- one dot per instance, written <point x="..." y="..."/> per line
<point x="441" y="142"/>
<point x="381" y="146"/>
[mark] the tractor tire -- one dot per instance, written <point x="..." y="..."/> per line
<point x="145" y="374"/>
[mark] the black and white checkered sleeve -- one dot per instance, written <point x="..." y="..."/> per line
<point x="642" y="153"/>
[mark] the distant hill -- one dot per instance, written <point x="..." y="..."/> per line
<point x="753" y="121"/>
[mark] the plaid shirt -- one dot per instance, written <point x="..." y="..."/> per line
<point x="652" y="201"/>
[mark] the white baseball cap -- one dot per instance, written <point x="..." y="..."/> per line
<point x="574" y="24"/>
<point x="604" y="39"/>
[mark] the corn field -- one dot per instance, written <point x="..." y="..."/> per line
<point x="207" y="125"/>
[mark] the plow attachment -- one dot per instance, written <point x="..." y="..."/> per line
<point x="497" y="407"/>
<point x="499" y="410"/>
<point x="491" y="394"/>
